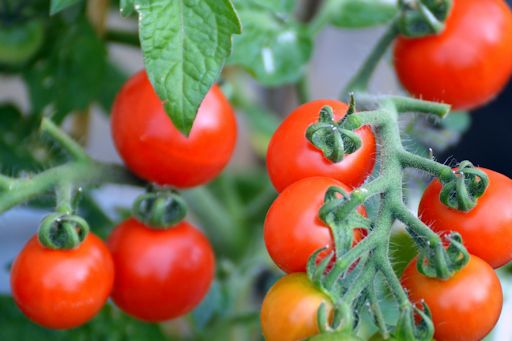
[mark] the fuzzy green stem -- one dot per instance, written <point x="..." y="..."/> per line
<point x="79" y="172"/>
<point x="376" y="310"/>
<point x="416" y="225"/>
<point x="407" y="104"/>
<point x="64" y="193"/>
<point x="411" y="160"/>
<point x="73" y="148"/>
<point x="393" y="281"/>
<point x="360" y="283"/>
<point x="362" y="78"/>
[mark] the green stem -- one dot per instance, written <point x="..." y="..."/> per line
<point x="261" y="201"/>
<point x="393" y="281"/>
<point x="376" y="310"/>
<point x="362" y="78"/>
<point x="78" y="172"/>
<point x="411" y="160"/>
<point x="73" y="148"/>
<point x="407" y="104"/>
<point x="360" y="283"/>
<point x="5" y="181"/>
<point x="416" y="225"/>
<point x="64" y="193"/>
<point x="302" y="87"/>
<point x="123" y="37"/>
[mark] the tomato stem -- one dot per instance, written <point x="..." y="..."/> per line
<point x="361" y="80"/>
<point x="70" y="146"/>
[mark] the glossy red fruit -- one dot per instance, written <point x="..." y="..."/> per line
<point x="293" y="230"/>
<point x="160" y="273"/>
<point x="468" y="63"/>
<point x="154" y="149"/>
<point x="292" y="157"/>
<point x="465" y="307"/>
<point x="62" y="289"/>
<point x="487" y="229"/>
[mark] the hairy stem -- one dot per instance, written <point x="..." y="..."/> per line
<point x="362" y="78"/>
<point x="71" y="147"/>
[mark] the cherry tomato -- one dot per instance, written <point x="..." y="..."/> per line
<point x="487" y="229"/>
<point x="468" y="63"/>
<point x="465" y="307"/>
<point x="293" y="230"/>
<point x="291" y="157"/>
<point x="289" y="310"/>
<point x="160" y="273"/>
<point x="154" y="149"/>
<point x="62" y="289"/>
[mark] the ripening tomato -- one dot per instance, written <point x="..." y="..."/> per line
<point x="465" y="307"/>
<point x="160" y="273"/>
<point x="466" y="65"/>
<point x="154" y="149"/>
<point x="62" y="289"/>
<point x="291" y="157"/>
<point x="487" y="229"/>
<point x="293" y="230"/>
<point x="289" y="310"/>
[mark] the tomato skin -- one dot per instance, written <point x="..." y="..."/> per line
<point x="293" y="230"/>
<point x="291" y="157"/>
<point x="468" y="63"/>
<point x="487" y="229"/>
<point x="465" y="307"/>
<point x="160" y="274"/>
<point x="62" y="289"/>
<point x="154" y="149"/>
<point x="289" y="310"/>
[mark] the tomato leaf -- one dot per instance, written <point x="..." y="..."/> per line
<point x="185" y="44"/>
<point x="274" y="48"/>
<point x="70" y="75"/>
<point x="361" y="13"/>
<point x="58" y="5"/>
<point x="127" y="7"/>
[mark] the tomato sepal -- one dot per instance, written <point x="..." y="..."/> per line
<point x="159" y="208"/>
<point x="62" y="231"/>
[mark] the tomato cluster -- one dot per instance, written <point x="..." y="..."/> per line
<point x="293" y="231"/>
<point x="468" y="305"/>
<point x="153" y="274"/>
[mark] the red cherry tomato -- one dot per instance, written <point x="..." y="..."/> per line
<point x="62" y="289"/>
<point x="289" y="310"/>
<point x="291" y="157"/>
<point x="160" y="274"/>
<point x="155" y="150"/>
<point x="487" y="229"/>
<point x="465" y="307"/>
<point x="466" y="65"/>
<point x="293" y="230"/>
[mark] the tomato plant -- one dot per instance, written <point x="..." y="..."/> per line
<point x="486" y="228"/>
<point x="468" y="63"/>
<point x="62" y="289"/>
<point x="293" y="231"/>
<point x="160" y="274"/>
<point x="464" y="307"/>
<point x="288" y="312"/>
<point x="146" y="137"/>
<point x="290" y="156"/>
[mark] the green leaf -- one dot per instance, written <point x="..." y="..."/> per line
<point x="127" y="7"/>
<point x="109" y="324"/>
<point x="362" y="13"/>
<point x="70" y="76"/>
<point x="19" y="43"/>
<point x="58" y="5"/>
<point x="185" y="44"/>
<point x="280" y="6"/>
<point x="273" y="49"/>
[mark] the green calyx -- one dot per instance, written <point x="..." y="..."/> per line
<point x="419" y="18"/>
<point x="443" y="262"/>
<point x="159" y="208"/>
<point x="62" y="231"/>
<point x="335" y="139"/>
<point x="415" y="324"/>
<point x="467" y="184"/>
